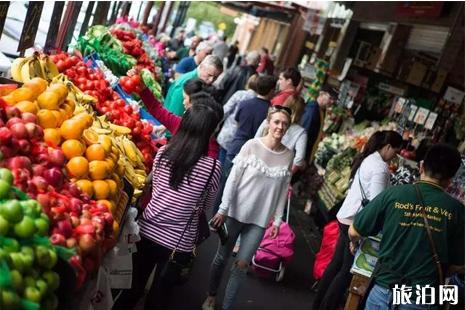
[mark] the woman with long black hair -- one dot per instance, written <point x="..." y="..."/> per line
<point x="185" y="182"/>
<point x="370" y="176"/>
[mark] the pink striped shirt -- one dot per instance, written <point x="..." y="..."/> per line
<point x="169" y="210"/>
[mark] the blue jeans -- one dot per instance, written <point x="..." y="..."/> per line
<point x="380" y="298"/>
<point x="251" y="237"/>
<point x="222" y="156"/>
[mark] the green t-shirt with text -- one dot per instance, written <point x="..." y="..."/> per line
<point x="405" y="253"/>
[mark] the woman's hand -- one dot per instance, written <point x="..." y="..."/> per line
<point x="274" y="232"/>
<point x="218" y="220"/>
<point x="353" y="246"/>
<point x="159" y="130"/>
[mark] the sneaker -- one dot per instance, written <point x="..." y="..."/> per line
<point x="209" y="303"/>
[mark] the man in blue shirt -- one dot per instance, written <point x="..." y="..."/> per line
<point x="314" y="116"/>
<point x="189" y="64"/>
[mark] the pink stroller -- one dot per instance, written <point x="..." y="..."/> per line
<point x="274" y="255"/>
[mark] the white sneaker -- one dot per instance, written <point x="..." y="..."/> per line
<point x="209" y="303"/>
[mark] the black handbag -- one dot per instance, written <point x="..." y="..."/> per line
<point x="178" y="269"/>
<point x="365" y="199"/>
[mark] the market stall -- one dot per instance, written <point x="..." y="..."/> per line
<point x="76" y="147"/>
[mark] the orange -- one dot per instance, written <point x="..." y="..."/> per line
<point x="58" y="116"/>
<point x="37" y="85"/>
<point x="72" y="148"/>
<point x="71" y="129"/>
<point x="71" y="102"/>
<point x="22" y="94"/>
<point x="112" y="186"/>
<point x="95" y="152"/>
<point x="98" y="169"/>
<point x="52" y="136"/>
<point x="78" y="167"/>
<point x="101" y="189"/>
<point x="86" y="187"/>
<point x="27" y="106"/>
<point x="111" y="164"/>
<point x="90" y="137"/>
<point x="48" y="100"/>
<point x="46" y="119"/>
<point x="67" y="109"/>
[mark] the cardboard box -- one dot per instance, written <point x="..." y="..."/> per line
<point x="417" y="73"/>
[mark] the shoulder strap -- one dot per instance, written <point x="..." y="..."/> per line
<point x="364" y="196"/>
<point x="430" y="235"/>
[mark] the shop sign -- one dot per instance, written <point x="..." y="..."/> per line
<point x="3" y="12"/>
<point x="391" y="89"/>
<point x="431" y="120"/>
<point x="454" y="95"/>
<point x="420" y="8"/>
<point x="421" y="116"/>
<point x="31" y="25"/>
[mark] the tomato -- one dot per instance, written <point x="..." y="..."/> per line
<point x="82" y="71"/>
<point x="128" y="109"/>
<point x="136" y="79"/>
<point x="136" y="131"/>
<point x="120" y="103"/>
<point x="61" y="65"/>
<point x="74" y="59"/>
<point x="69" y="63"/>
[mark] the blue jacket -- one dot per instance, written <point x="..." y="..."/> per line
<point x="311" y="121"/>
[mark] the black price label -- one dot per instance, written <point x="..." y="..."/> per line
<point x="31" y="25"/>
<point x="4" y="5"/>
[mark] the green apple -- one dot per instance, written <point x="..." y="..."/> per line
<point x="16" y="261"/>
<point x="26" y="228"/>
<point x="28" y="261"/>
<point x="4" y="226"/>
<point x="17" y="280"/>
<point x="53" y="259"/>
<point x="31" y="208"/>
<point x="10" y="245"/>
<point x="42" y="286"/>
<point x="53" y="280"/>
<point x="3" y="254"/>
<point x="29" y="281"/>
<point x="4" y="189"/>
<point x="11" y="210"/>
<point x="43" y="256"/>
<point x="32" y="294"/>
<point x="41" y="226"/>
<point x="10" y="300"/>
<point x="6" y="175"/>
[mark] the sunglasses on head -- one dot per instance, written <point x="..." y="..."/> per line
<point x="280" y="108"/>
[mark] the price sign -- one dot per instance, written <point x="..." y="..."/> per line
<point x="431" y="120"/>
<point x="454" y="95"/>
<point x="413" y="110"/>
<point x="31" y="25"/>
<point x="421" y="116"/>
<point x="3" y="12"/>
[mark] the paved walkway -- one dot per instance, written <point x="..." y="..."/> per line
<point x="293" y="293"/>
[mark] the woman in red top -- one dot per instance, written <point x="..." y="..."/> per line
<point x="193" y="88"/>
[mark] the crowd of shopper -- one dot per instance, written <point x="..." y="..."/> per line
<point x="234" y="145"/>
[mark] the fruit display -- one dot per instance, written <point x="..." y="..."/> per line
<point x="27" y="256"/>
<point x="39" y="166"/>
<point x="110" y="104"/>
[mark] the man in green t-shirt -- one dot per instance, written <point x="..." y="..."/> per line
<point x="208" y="71"/>
<point x="405" y="256"/>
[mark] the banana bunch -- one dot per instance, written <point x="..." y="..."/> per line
<point x="131" y="151"/>
<point x="23" y="69"/>
<point x="103" y="125"/>
<point x="137" y="177"/>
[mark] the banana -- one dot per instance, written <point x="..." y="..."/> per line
<point x="129" y="151"/>
<point x="16" y="68"/>
<point x="48" y="67"/>
<point x="31" y="69"/>
<point x="120" y="130"/>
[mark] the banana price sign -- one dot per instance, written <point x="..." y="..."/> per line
<point x="31" y="25"/>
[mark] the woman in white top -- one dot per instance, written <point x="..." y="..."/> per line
<point x="295" y="138"/>
<point x="370" y="176"/>
<point x="229" y="128"/>
<point x="255" y="191"/>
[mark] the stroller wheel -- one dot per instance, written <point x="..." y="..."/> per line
<point x="280" y="274"/>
